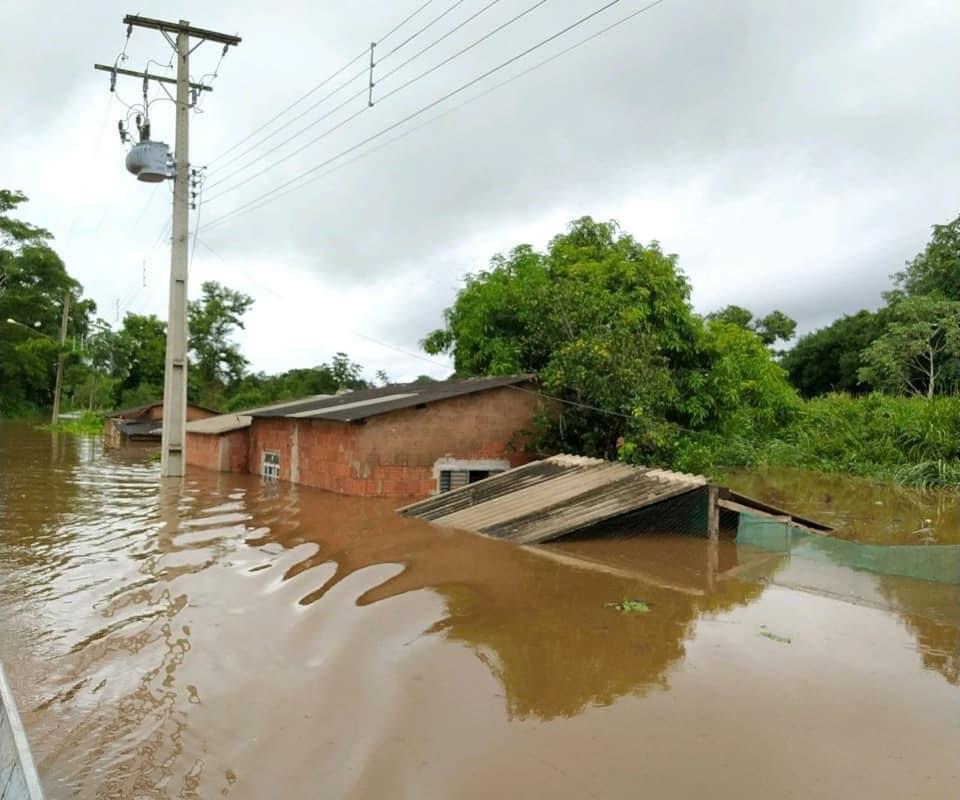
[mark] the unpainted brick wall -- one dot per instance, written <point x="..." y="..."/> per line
<point x="204" y="450"/>
<point x="392" y="455"/>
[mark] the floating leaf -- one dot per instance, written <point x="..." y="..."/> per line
<point x="628" y="606"/>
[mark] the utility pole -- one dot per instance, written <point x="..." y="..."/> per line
<point x="178" y="35"/>
<point x="63" y="338"/>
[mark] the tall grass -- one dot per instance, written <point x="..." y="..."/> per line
<point x="910" y="440"/>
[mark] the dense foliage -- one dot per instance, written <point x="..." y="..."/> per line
<point x="830" y="359"/>
<point x="606" y="323"/>
<point x="892" y="348"/>
<point x="907" y="439"/>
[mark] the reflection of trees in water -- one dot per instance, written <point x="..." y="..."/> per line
<point x="540" y="626"/>
<point x="861" y="509"/>
<point x="549" y="638"/>
<point x="931" y="612"/>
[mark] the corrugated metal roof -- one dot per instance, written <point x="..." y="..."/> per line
<point x="225" y="423"/>
<point x="365" y="403"/>
<point x="547" y="499"/>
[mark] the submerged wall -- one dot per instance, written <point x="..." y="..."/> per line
<point x="225" y="452"/>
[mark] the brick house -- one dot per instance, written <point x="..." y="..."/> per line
<point x="406" y="440"/>
<point x="143" y="423"/>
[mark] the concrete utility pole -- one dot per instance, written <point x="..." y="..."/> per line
<point x="64" y="319"/>
<point x="173" y="440"/>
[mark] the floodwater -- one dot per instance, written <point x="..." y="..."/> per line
<point x="858" y="508"/>
<point x="235" y="638"/>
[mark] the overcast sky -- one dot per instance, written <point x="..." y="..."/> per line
<point x="793" y="154"/>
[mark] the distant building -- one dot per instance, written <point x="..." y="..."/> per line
<point x="143" y="423"/>
<point x="406" y="440"/>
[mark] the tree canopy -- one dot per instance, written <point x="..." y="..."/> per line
<point x="606" y="323"/>
<point x="830" y="359"/>
<point x="914" y="353"/>
<point x="773" y="327"/>
<point x="937" y="269"/>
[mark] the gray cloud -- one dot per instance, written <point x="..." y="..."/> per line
<point x="792" y="154"/>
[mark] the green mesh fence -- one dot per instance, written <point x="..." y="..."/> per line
<point x="940" y="563"/>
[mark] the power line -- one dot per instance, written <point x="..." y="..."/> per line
<point x="287" y="157"/>
<point x="432" y="104"/>
<point x="404" y="21"/>
<point x="301" y="115"/>
<point x="435" y="42"/>
<point x="466" y="49"/>
<point x="350" y="99"/>
<point x="295" y="103"/>
<point x="362" y="54"/>
<point x="413" y="36"/>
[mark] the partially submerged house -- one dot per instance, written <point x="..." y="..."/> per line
<point x="143" y="423"/>
<point x="567" y="494"/>
<point x="403" y="440"/>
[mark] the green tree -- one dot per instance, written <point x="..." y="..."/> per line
<point x="921" y="340"/>
<point x="607" y="325"/>
<point x="742" y="389"/>
<point x="346" y="373"/>
<point x="217" y="360"/>
<point x="135" y="356"/>
<point x="775" y="325"/>
<point x="35" y="282"/>
<point x="937" y="269"/>
<point x="829" y="359"/>
<point x="601" y="318"/>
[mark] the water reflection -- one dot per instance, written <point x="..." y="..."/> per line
<point x="228" y="636"/>
<point x="860" y="509"/>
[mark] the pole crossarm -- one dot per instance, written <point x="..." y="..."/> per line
<point x="173" y="27"/>
<point x="149" y="76"/>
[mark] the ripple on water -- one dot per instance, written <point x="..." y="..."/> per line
<point x="226" y="636"/>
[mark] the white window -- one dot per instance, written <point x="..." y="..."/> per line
<point x="270" y="467"/>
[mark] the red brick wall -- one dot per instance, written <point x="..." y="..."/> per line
<point x="193" y="412"/>
<point x="203" y="450"/>
<point x="239" y="443"/>
<point x="393" y="455"/>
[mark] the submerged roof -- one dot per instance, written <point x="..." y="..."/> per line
<point x="150" y="428"/>
<point x="365" y="403"/>
<point x="548" y="499"/>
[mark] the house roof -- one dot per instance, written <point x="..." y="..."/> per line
<point x="548" y="499"/>
<point x="137" y="411"/>
<point x="225" y="423"/>
<point x="365" y="403"/>
<point x="134" y="411"/>
<point x="149" y="429"/>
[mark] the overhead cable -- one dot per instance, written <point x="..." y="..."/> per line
<point x="362" y="54"/>
<point x="400" y="88"/>
<point x="432" y="104"/>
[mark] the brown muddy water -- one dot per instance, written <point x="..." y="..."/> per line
<point x="230" y="637"/>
